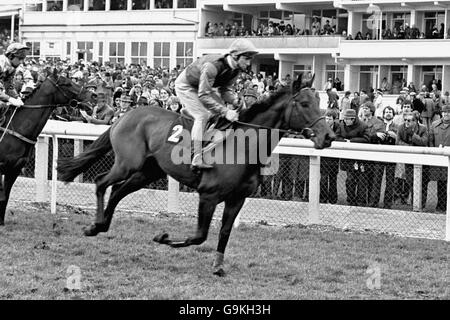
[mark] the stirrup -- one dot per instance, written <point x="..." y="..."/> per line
<point x="200" y="165"/>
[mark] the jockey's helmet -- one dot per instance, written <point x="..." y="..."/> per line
<point x="243" y="47"/>
<point x="16" y="49"/>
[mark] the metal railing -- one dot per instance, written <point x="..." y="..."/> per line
<point x="293" y="194"/>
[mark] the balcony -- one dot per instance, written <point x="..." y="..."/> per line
<point x="121" y="20"/>
<point x="420" y="51"/>
<point x="271" y="45"/>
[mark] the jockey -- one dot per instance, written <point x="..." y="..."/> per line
<point x="14" y="56"/>
<point x="195" y="89"/>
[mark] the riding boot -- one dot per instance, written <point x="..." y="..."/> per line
<point x="197" y="160"/>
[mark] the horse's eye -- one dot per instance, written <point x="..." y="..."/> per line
<point x="304" y="104"/>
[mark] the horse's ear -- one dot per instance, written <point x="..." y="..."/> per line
<point x="307" y="80"/>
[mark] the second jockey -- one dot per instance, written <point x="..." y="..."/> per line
<point x="195" y="87"/>
<point x="14" y="56"/>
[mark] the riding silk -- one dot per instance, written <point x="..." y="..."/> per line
<point x="7" y="72"/>
<point x="208" y="72"/>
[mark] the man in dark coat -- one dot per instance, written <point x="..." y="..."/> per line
<point x="439" y="136"/>
<point x="388" y="136"/>
<point x="329" y="167"/>
<point x="351" y="129"/>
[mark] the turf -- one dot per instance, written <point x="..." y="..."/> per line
<point x="262" y="262"/>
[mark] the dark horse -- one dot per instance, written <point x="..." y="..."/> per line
<point x="140" y="141"/>
<point x="26" y="125"/>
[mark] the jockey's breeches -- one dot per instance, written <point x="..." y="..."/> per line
<point x="189" y="99"/>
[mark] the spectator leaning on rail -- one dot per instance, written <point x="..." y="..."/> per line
<point x="195" y="88"/>
<point x="387" y="136"/>
<point x="329" y="167"/>
<point x="351" y="129"/>
<point x="439" y="136"/>
<point x="410" y="133"/>
<point x="367" y="115"/>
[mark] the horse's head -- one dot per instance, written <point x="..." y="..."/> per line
<point x="67" y="91"/>
<point x="304" y="114"/>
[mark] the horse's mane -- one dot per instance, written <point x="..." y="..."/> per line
<point x="263" y="105"/>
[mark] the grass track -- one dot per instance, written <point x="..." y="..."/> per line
<point x="262" y="262"/>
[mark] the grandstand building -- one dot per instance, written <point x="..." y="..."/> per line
<point x="172" y="33"/>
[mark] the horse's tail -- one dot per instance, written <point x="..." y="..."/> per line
<point x="69" y="168"/>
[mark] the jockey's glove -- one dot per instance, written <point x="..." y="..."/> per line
<point x="15" y="102"/>
<point x="232" y="115"/>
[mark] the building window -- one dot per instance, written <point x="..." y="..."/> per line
<point x="117" y="52"/>
<point x="184" y="4"/>
<point x="335" y="72"/>
<point x="97" y="5"/>
<point x="55" y="5"/>
<point x="68" y="48"/>
<point x="161" y="53"/>
<point x="430" y="73"/>
<point x="184" y="54"/>
<point x="139" y="53"/>
<point x="400" y="19"/>
<point x="119" y="5"/>
<point x="398" y="76"/>
<point x="100" y="52"/>
<point x="163" y="4"/>
<point x="434" y="22"/>
<point x="35" y="51"/>
<point x="141" y="5"/>
<point x="33" y="7"/>
<point x="84" y="50"/>
<point x="368" y="77"/>
<point x="299" y="69"/>
<point x="75" y="5"/>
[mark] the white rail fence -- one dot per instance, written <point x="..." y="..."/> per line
<point x="315" y="212"/>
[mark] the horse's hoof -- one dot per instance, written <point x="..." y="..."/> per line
<point x="162" y="238"/>
<point x="90" y="231"/>
<point x="179" y="244"/>
<point x="219" y="272"/>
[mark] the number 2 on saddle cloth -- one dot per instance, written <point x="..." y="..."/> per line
<point x="181" y="126"/>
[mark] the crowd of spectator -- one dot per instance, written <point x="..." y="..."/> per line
<point x="361" y="117"/>
<point x="270" y="29"/>
<point x="316" y="29"/>
<point x="401" y="32"/>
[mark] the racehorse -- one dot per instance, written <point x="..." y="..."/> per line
<point x="22" y="126"/>
<point x="140" y="141"/>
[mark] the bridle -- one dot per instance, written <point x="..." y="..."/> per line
<point x="306" y="132"/>
<point x="38" y="106"/>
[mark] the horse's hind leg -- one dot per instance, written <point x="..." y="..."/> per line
<point x="103" y="181"/>
<point x="8" y="182"/>
<point x="232" y="208"/>
<point x="137" y="181"/>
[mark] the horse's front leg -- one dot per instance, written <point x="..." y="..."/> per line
<point x="8" y="182"/>
<point x="230" y="212"/>
<point x="207" y="206"/>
